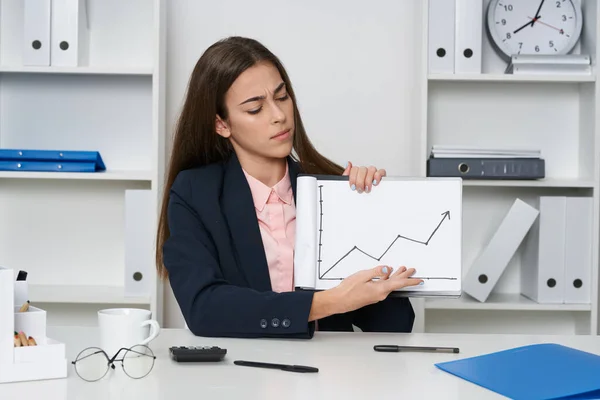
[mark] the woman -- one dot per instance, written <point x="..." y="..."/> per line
<point x="226" y="229"/>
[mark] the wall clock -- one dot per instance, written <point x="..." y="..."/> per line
<point x="534" y="26"/>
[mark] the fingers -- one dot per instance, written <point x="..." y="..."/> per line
<point x="382" y="272"/>
<point x="348" y="168"/>
<point x="362" y="179"/>
<point x="402" y="278"/>
<point x="404" y="273"/>
<point x="352" y="177"/>
<point x="387" y="272"/>
<point x="361" y="174"/>
<point x="413" y="282"/>
<point x="378" y="176"/>
<point x="370" y="178"/>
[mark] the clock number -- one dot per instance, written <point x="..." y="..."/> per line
<point x="537" y="49"/>
<point x="551" y="43"/>
<point x="503" y="21"/>
<point x="564" y="18"/>
<point x="508" y="35"/>
<point x="508" y="7"/>
<point x="520" y="45"/>
<point x="558" y="4"/>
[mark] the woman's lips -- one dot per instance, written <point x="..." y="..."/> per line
<point x="282" y="135"/>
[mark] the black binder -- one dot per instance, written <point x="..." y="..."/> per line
<point x="487" y="168"/>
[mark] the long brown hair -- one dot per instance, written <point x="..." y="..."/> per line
<point x="196" y="142"/>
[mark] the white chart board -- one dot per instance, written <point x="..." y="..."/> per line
<point x="412" y="222"/>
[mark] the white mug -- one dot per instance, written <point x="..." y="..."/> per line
<point x="125" y="327"/>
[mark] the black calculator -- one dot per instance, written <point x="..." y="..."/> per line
<point x="197" y="353"/>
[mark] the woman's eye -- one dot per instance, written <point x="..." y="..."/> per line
<point x="254" y="111"/>
<point x="282" y="98"/>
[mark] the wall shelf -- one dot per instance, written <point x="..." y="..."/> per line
<point x="70" y="231"/>
<point x="83" y="294"/>
<point x="542" y="183"/>
<point x="134" y="176"/>
<point x="557" y="78"/>
<point x="77" y="70"/>
<point x="502" y="302"/>
<point x="557" y="114"/>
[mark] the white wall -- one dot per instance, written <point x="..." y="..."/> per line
<point x="353" y="65"/>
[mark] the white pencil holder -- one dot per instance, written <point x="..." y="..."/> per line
<point x="42" y="357"/>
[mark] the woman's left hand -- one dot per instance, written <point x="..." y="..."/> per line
<point x="363" y="179"/>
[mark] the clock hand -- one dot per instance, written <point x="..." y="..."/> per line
<point x="548" y="25"/>
<point x="529" y="23"/>
<point x="533" y="20"/>
<point x="537" y="14"/>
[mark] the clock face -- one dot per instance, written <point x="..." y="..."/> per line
<point x="534" y="26"/>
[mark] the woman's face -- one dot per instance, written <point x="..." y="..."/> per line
<point x="260" y="123"/>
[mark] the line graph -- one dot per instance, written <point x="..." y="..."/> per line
<point x="400" y="237"/>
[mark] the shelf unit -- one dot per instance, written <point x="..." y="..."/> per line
<point x="556" y="113"/>
<point x="67" y="229"/>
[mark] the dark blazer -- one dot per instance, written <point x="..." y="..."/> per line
<point x="219" y="273"/>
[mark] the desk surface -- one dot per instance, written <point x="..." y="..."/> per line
<point x="349" y="368"/>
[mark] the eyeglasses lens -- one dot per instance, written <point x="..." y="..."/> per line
<point x="91" y="364"/>
<point x="138" y="361"/>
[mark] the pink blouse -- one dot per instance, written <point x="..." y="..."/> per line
<point x="276" y="214"/>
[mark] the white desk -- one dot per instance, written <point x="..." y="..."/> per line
<point x="348" y="368"/>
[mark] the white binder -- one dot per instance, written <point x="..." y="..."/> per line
<point x="542" y="264"/>
<point x="69" y="33"/>
<point x="469" y="36"/>
<point x="578" y="250"/>
<point x="36" y="32"/>
<point x="441" y="36"/>
<point x="491" y="263"/>
<point x="139" y="238"/>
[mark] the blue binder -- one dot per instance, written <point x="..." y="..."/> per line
<point x="540" y="371"/>
<point x="50" y="160"/>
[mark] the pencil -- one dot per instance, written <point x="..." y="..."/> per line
<point x="23" y="339"/>
<point x="24" y="307"/>
<point x="32" y="341"/>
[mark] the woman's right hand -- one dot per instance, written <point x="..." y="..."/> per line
<point x="363" y="288"/>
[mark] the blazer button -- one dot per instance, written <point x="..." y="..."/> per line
<point x="286" y="323"/>
<point x="275" y="322"/>
<point x="263" y="323"/>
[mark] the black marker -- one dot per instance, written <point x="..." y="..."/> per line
<point x="283" y="367"/>
<point x="395" y="349"/>
<point x="21" y="276"/>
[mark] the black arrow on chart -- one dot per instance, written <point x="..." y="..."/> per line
<point x="445" y="215"/>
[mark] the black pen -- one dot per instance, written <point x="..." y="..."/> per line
<point x="395" y="349"/>
<point x="290" y="368"/>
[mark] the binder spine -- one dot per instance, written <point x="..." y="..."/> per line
<point x="46" y="155"/>
<point x="542" y="263"/>
<point x="51" y="160"/>
<point x="36" y="32"/>
<point x="47" y="166"/>
<point x="578" y="253"/>
<point x="70" y="33"/>
<point x="138" y="242"/>
<point x="490" y="264"/>
<point x="487" y="168"/>
<point x="441" y="36"/>
<point x="469" y="36"/>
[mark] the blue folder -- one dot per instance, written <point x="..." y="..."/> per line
<point x="50" y="160"/>
<point x="540" y="371"/>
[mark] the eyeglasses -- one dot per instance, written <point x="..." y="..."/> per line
<point x="93" y="363"/>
